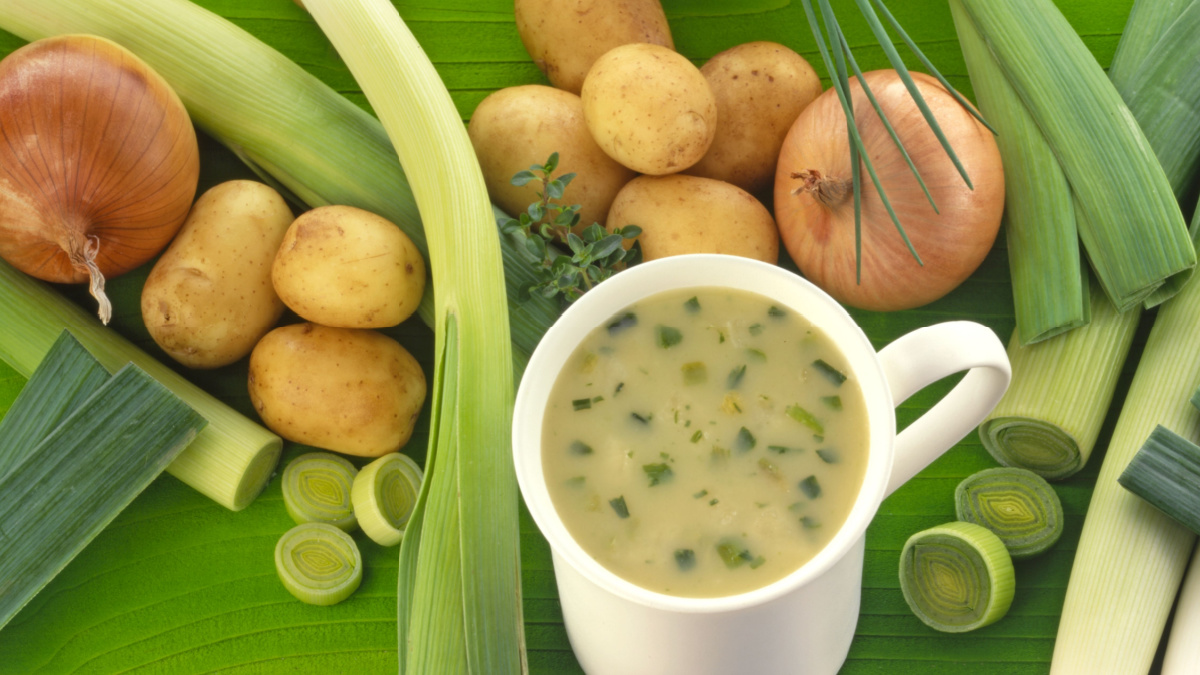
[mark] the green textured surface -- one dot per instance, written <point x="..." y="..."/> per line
<point x="179" y="585"/>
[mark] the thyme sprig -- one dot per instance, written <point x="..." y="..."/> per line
<point x="594" y="254"/>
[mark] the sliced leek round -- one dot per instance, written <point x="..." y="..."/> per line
<point x="1016" y="504"/>
<point x="384" y="494"/>
<point x="316" y="489"/>
<point x="318" y="563"/>
<point x="957" y="577"/>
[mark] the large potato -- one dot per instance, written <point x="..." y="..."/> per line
<point x="688" y="214"/>
<point x="346" y="267"/>
<point x="516" y="127"/>
<point x="760" y="89"/>
<point x="565" y="37"/>
<point x="649" y="108"/>
<point x="209" y="297"/>
<point x="348" y="390"/>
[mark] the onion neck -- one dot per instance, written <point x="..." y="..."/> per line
<point x="827" y="190"/>
<point x="82" y="250"/>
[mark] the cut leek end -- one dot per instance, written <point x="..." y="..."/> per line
<point x="957" y="577"/>
<point x="1016" y="504"/>
<point x="384" y="494"/>
<point x="1028" y="443"/>
<point x="259" y="467"/>
<point x="316" y="489"/>
<point x="318" y="563"/>
<point x="1166" y="473"/>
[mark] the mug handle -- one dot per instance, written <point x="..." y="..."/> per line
<point x="925" y="356"/>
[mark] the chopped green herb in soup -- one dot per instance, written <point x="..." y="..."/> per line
<point x="702" y="486"/>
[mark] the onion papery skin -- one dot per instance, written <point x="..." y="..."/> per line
<point x="951" y="242"/>
<point x="1016" y="504"/>
<point x="98" y="158"/>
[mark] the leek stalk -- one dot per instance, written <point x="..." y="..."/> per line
<point x="459" y="592"/>
<point x="1050" y="417"/>
<point x="1050" y="292"/>
<point x="65" y="379"/>
<point x="1183" y="649"/>
<point x="293" y="129"/>
<point x="77" y="479"/>
<point x="233" y="457"/>
<point x="1166" y="473"/>
<point x="1131" y="557"/>
<point x="1132" y="230"/>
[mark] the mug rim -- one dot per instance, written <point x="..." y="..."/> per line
<point x="630" y="286"/>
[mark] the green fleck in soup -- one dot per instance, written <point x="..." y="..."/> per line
<point x="709" y="488"/>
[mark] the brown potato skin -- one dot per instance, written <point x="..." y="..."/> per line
<point x="760" y="89"/>
<point x="209" y="298"/>
<point x="353" y="391"/>
<point x="516" y="127"/>
<point x="682" y="214"/>
<point x="649" y="108"/>
<point x="565" y="37"/>
<point x="345" y="267"/>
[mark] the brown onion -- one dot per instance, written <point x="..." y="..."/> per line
<point x="814" y="200"/>
<point x="98" y="161"/>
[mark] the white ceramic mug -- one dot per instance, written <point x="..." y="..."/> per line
<point x="804" y="622"/>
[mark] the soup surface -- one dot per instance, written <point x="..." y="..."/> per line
<point x="704" y="443"/>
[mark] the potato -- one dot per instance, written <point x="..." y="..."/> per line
<point x="565" y="37"/>
<point x="688" y="214"/>
<point x="349" y="268"/>
<point x="519" y="126"/>
<point x="760" y="89"/>
<point x="209" y="297"/>
<point x="649" y="108"/>
<point x="349" y="390"/>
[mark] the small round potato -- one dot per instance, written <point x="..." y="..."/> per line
<point x="649" y="108"/>
<point x="760" y="88"/>
<point x="345" y="267"/>
<point x="687" y="214"/>
<point x="349" y="390"/>
<point x="209" y="298"/>
<point x="516" y="127"/>
<point x="565" y="37"/>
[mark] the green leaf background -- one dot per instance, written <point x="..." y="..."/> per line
<point x="178" y="584"/>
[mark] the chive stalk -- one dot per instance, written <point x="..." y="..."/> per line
<point x="957" y="577"/>
<point x="318" y="563"/>
<point x="1018" y="505"/>
<point x="316" y="489"/>
<point x="82" y="474"/>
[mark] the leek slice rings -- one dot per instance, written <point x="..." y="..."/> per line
<point x="384" y="494"/>
<point x="957" y="577"/>
<point x="318" y="563"/>
<point x="316" y="489"/>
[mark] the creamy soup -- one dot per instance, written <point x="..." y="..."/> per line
<point x="704" y="443"/>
